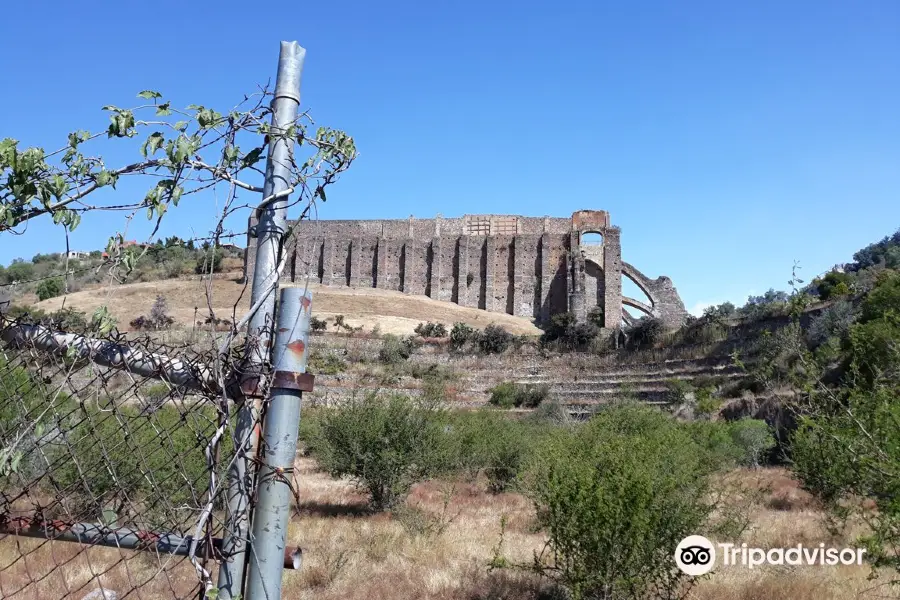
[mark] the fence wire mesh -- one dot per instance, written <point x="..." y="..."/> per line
<point x="133" y="465"/>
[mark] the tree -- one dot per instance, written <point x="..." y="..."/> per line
<point x="615" y="499"/>
<point x="386" y="444"/>
<point x="210" y="261"/>
<point x="183" y="152"/>
<point x="847" y="445"/>
<point x="833" y="285"/>
<point x="49" y="288"/>
<point x="19" y="271"/>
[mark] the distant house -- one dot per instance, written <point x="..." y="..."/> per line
<point x="77" y="254"/>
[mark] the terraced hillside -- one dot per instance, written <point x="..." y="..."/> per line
<point x="579" y="381"/>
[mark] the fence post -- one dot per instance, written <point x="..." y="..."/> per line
<point x="272" y="511"/>
<point x="270" y="231"/>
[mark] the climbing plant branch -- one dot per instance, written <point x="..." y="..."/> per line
<point x="182" y="152"/>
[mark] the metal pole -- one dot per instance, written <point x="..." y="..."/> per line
<point x="122" y="537"/>
<point x="271" y="513"/>
<point x="270" y="230"/>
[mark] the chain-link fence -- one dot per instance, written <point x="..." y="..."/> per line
<point x="95" y="453"/>
<point x="122" y="462"/>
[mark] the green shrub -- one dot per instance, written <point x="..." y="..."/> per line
<point x="326" y="363"/>
<point x="833" y="285"/>
<point x="127" y="457"/>
<point x="395" y="350"/>
<point x="386" y="444"/>
<point x="677" y="390"/>
<point x="509" y="394"/>
<point x="317" y="324"/>
<point x="489" y="442"/>
<point x="834" y="321"/>
<point x="494" y="339"/>
<point x="707" y="403"/>
<point x="49" y="288"/>
<point x="565" y="330"/>
<point x="644" y="334"/>
<point x="460" y="335"/>
<point x="597" y="317"/>
<point x="754" y="438"/>
<point x="431" y="330"/>
<point x="210" y="261"/>
<point x="615" y="498"/>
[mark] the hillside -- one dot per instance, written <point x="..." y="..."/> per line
<point x="392" y="312"/>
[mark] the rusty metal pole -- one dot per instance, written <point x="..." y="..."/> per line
<point x="271" y="514"/>
<point x="270" y="230"/>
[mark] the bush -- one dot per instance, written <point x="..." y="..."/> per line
<point x="157" y="320"/>
<point x="834" y="321"/>
<point x="49" y="288"/>
<point x="210" y="261"/>
<point x="494" y="339"/>
<point x="460" y="335"/>
<point x="644" y="334"/>
<point x="677" y="390"/>
<point x="317" y="324"/>
<point x="395" y="350"/>
<point x="833" y="285"/>
<point x="615" y="499"/>
<point x="326" y="363"/>
<point x="489" y="442"/>
<point x="597" y="317"/>
<point x="754" y="438"/>
<point x="431" y="330"/>
<point x="565" y="330"/>
<point x="386" y="444"/>
<point x="509" y="394"/>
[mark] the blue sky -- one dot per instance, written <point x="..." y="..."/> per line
<point x="726" y="139"/>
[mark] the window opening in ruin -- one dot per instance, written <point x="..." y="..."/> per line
<point x="591" y="238"/>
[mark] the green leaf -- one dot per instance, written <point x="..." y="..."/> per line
<point x="111" y="107"/>
<point x="181" y="125"/>
<point x="149" y="95"/>
<point x="152" y="144"/>
<point x="231" y="154"/>
<point x="163" y="109"/>
<point x="121" y="124"/>
<point x="194" y="107"/>
<point x="103" y="178"/>
<point x="60" y="186"/>
<point x="252" y="157"/>
<point x="206" y="118"/>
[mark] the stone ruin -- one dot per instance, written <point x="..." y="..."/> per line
<point x="531" y="267"/>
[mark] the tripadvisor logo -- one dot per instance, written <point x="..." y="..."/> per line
<point x="695" y="555"/>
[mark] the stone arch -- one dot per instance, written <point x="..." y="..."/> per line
<point x="641" y="306"/>
<point x="640" y="280"/>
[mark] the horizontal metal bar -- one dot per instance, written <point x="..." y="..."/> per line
<point x="110" y="354"/>
<point x="125" y="538"/>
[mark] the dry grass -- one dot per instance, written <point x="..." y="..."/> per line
<point x="440" y="549"/>
<point x="392" y="312"/>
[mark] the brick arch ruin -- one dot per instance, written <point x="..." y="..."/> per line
<point x="531" y="267"/>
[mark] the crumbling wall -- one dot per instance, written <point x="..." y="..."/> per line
<point x="531" y="267"/>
